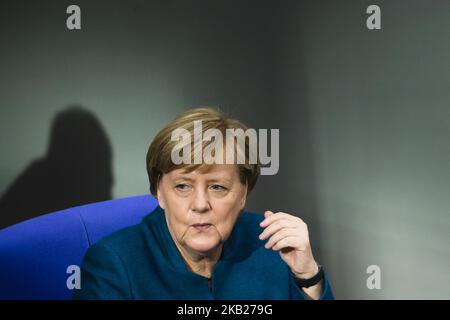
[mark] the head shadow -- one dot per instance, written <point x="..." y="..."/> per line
<point x="77" y="169"/>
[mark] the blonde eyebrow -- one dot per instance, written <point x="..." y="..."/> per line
<point x="186" y="178"/>
<point x="219" y="180"/>
<point x="213" y="180"/>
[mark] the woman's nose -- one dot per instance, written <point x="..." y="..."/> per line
<point x="200" y="202"/>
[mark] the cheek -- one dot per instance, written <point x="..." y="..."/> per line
<point x="178" y="216"/>
<point x="228" y="212"/>
<point x="176" y="212"/>
<point x="231" y="202"/>
<point x="178" y="206"/>
<point x="177" y="226"/>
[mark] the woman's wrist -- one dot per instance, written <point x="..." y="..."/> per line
<point x="307" y="274"/>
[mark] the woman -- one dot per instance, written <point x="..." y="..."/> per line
<point x="199" y="244"/>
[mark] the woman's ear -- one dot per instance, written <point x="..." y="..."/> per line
<point x="244" y="198"/>
<point x="243" y="201"/>
<point x="159" y="196"/>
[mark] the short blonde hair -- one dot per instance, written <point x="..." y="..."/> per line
<point x="159" y="161"/>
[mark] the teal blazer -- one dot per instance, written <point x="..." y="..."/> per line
<point x="142" y="262"/>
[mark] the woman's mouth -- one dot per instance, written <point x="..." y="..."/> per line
<point x="202" y="226"/>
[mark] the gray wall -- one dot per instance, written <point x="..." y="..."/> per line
<point x="380" y="129"/>
<point x="363" y="116"/>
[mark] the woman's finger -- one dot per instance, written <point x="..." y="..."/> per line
<point x="275" y="226"/>
<point x="288" y="241"/>
<point x="276" y="216"/>
<point x="280" y="235"/>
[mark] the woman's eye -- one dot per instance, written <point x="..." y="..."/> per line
<point x="182" y="187"/>
<point x="217" y="187"/>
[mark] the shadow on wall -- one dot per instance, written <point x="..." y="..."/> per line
<point x="76" y="170"/>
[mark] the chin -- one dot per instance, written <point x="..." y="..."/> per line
<point x="204" y="244"/>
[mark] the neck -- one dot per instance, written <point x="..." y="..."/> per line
<point x="201" y="263"/>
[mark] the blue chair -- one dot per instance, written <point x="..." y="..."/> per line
<point x="35" y="254"/>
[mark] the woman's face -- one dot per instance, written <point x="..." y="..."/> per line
<point x="202" y="207"/>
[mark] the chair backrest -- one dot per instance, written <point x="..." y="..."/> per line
<point x="35" y="254"/>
